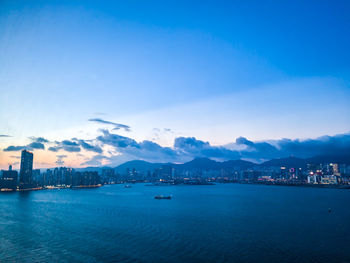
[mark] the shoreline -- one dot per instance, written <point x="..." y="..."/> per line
<point x="344" y="187"/>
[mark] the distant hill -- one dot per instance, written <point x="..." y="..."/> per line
<point x="138" y="165"/>
<point x="238" y="163"/>
<point x="199" y="163"/>
<point x="295" y="162"/>
<point x="344" y="159"/>
<point x="288" y="162"/>
<point x="209" y="164"/>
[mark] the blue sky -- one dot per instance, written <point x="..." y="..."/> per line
<point x="213" y="70"/>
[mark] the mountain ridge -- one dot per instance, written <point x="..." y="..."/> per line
<point x="209" y="164"/>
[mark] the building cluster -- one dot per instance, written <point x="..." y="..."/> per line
<point x="320" y="174"/>
<point x="34" y="179"/>
<point x="330" y="173"/>
<point x="325" y="174"/>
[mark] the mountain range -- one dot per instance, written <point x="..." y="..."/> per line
<point x="209" y="164"/>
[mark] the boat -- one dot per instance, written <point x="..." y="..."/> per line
<point x="127" y="186"/>
<point x="162" y="197"/>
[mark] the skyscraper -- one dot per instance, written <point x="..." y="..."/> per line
<point x="26" y="172"/>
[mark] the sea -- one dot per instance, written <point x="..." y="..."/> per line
<point x="200" y="223"/>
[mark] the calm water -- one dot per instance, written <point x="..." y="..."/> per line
<point x="221" y="223"/>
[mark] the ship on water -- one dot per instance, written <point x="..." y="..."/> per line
<point x="162" y="197"/>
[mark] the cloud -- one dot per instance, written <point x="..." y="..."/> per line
<point x="189" y="143"/>
<point x="258" y="151"/>
<point x="117" y="126"/>
<point x="74" y="146"/>
<point x="325" y="145"/>
<point x="14" y="148"/>
<point x="130" y="149"/>
<point x="66" y="145"/>
<point x="122" y="148"/>
<point x="39" y="139"/>
<point x="116" y="140"/>
<point x="190" y="146"/>
<point x="36" y="145"/>
<point x="244" y="141"/>
<point x="54" y="149"/>
<point x="186" y="148"/>
<point x="89" y="147"/>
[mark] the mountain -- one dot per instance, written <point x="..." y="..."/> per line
<point x="199" y="163"/>
<point x="288" y="162"/>
<point x="209" y="164"/>
<point x="238" y="164"/>
<point x="138" y="165"/>
<point x="343" y="159"/>
<point x="295" y="162"/>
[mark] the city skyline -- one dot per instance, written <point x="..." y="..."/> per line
<point x="172" y="81"/>
<point x="319" y="171"/>
<point x="175" y="131"/>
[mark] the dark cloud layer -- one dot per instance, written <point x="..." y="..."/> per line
<point x="66" y="145"/>
<point x="325" y="145"/>
<point x="89" y="147"/>
<point x="116" y="140"/>
<point x="130" y="149"/>
<point x="75" y="145"/>
<point x="36" y="145"/>
<point x="39" y="139"/>
<point x="187" y="148"/>
<point x="14" y="148"/>
<point x="190" y="146"/>
<point x="117" y="126"/>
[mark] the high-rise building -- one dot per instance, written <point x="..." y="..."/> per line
<point x="26" y="172"/>
<point x="9" y="180"/>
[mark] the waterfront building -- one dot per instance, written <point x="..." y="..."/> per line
<point x="37" y="177"/>
<point x="9" y="180"/>
<point x="26" y="171"/>
<point x="329" y="179"/>
<point x="312" y="178"/>
<point x="86" y="179"/>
